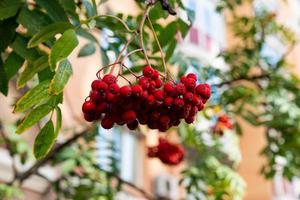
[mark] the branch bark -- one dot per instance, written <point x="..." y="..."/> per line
<point x="253" y="78"/>
<point x="33" y="170"/>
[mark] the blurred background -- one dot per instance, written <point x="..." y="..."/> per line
<point x="207" y="38"/>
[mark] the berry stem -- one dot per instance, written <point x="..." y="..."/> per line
<point x="141" y="29"/>
<point x="130" y="53"/>
<point x="122" y="64"/>
<point x="159" y="46"/>
<point x="98" y="73"/>
<point x="111" y="16"/>
<point x="122" y="51"/>
<point x="124" y="78"/>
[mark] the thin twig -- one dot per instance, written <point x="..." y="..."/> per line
<point x="33" y="170"/>
<point x="140" y="190"/>
<point x="141" y="30"/>
<point x="114" y="17"/>
<point x="122" y="51"/>
<point x="130" y="53"/>
<point x="158" y="44"/>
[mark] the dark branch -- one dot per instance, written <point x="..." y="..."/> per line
<point x="140" y="190"/>
<point x="51" y="155"/>
<point x="253" y="78"/>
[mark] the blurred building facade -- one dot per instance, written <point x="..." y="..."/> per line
<point x="207" y="37"/>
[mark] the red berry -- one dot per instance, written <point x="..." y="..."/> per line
<point x="196" y="100"/>
<point x="169" y="88"/>
<point x="164" y="120"/>
<point x="89" y="117"/>
<point x="144" y="95"/>
<point x="159" y="95"/>
<point x="125" y="91"/>
<point x="186" y="109"/>
<point x="129" y="116"/>
<point x="150" y="99"/>
<point x="89" y="107"/>
<point x="204" y="100"/>
<point x="192" y="76"/>
<point x="190" y="119"/>
<point x="203" y="90"/>
<point x="190" y="84"/>
<point x="110" y="97"/>
<point x="99" y="86"/>
<point x="144" y="83"/>
<point x="188" y="97"/>
<point x="153" y="125"/>
<point x="95" y="96"/>
<point x="158" y="82"/>
<point x="109" y="79"/>
<point x="180" y="89"/>
<point x="102" y="107"/>
<point x="137" y="90"/>
<point x="107" y="123"/>
<point x="114" y="88"/>
<point x="200" y="106"/>
<point x="168" y="101"/>
<point x="152" y="85"/>
<point x="183" y="79"/>
<point x="155" y="116"/>
<point x="163" y="128"/>
<point x="155" y="75"/>
<point x="178" y="102"/>
<point x="148" y="71"/>
<point x="133" y="125"/>
<point x="193" y="111"/>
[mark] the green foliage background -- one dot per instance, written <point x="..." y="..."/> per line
<point x="36" y="62"/>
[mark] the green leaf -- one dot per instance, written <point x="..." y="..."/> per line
<point x="3" y="79"/>
<point x="12" y="64"/>
<point x="58" y="121"/>
<point x="68" y="5"/>
<point x="87" y="50"/>
<point x="31" y="69"/>
<point x="54" y="9"/>
<point x="49" y="32"/>
<point x="33" y="20"/>
<point x="63" y="47"/>
<point x="44" y="141"/>
<point x="20" y="48"/>
<point x="61" y="77"/>
<point x="8" y="8"/>
<point x="33" y="117"/>
<point x="171" y="49"/>
<point x="86" y="35"/>
<point x="91" y="11"/>
<point x="33" y="97"/>
<point x="8" y="33"/>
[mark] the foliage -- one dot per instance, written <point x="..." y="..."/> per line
<point x="38" y="37"/>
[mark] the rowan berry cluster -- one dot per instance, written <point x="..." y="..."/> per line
<point x="151" y="101"/>
<point x="223" y="123"/>
<point x="168" y="153"/>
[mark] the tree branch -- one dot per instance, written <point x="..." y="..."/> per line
<point x="140" y="190"/>
<point x="253" y="78"/>
<point x="51" y="155"/>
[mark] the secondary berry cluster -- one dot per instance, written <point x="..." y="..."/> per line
<point x="223" y="123"/>
<point x="152" y="101"/>
<point x="168" y="153"/>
